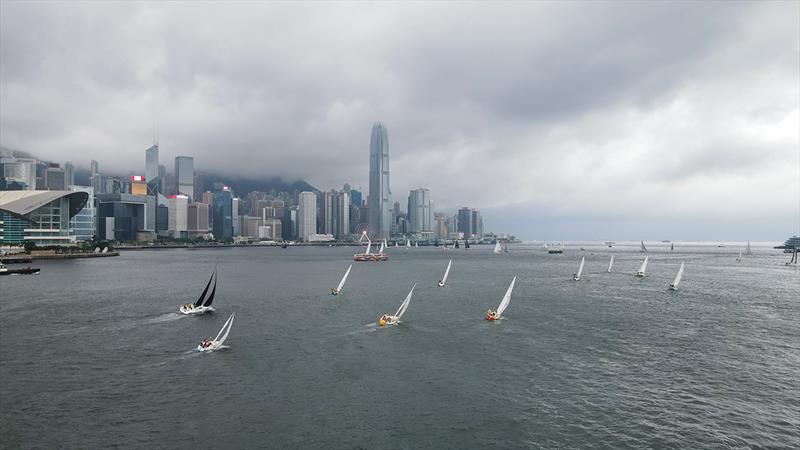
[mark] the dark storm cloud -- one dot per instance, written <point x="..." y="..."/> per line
<point x="603" y="108"/>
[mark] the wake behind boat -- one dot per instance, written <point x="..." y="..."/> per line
<point x="446" y="273"/>
<point x="203" y="304"/>
<point x="338" y="289"/>
<point x="388" y="319"/>
<point x="209" y="345"/>
<point x="674" y="285"/>
<point x="496" y="315"/>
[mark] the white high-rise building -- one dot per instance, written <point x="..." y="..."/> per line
<point x="419" y="211"/>
<point x="184" y="176"/>
<point x="307" y="215"/>
<point x="178" y="221"/>
<point x="380" y="195"/>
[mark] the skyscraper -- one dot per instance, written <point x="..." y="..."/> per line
<point x="222" y="212"/>
<point x="151" y="164"/>
<point x="184" y="176"/>
<point x="307" y="215"/>
<point x="419" y="211"/>
<point x="69" y="174"/>
<point x="380" y="196"/>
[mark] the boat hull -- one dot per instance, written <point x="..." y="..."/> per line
<point x="196" y="311"/>
<point x="639" y="274"/>
<point x="27" y="271"/>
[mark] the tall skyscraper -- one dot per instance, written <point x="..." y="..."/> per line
<point x="222" y="214"/>
<point x="184" y="176"/>
<point x="151" y="164"/>
<point x="469" y="222"/>
<point x="419" y="211"/>
<point x="178" y="219"/>
<point x="380" y="196"/>
<point x="307" y="215"/>
<point x="95" y="180"/>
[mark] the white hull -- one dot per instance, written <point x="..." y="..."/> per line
<point x="210" y="349"/>
<point x="197" y="310"/>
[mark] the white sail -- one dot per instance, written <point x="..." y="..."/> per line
<point x="105" y="250"/>
<point x="226" y="329"/>
<point x="408" y="243"/>
<point x="369" y="247"/>
<point x="382" y="248"/>
<point x="644" y="266"/>
<point x="678" y="277"/>
<point x="416" y="244"/>
<point x="611" y="264"/>
<point x="739" y="258"/>
<point x="747" y="250"/>
<point x="447" y="272"/>
<point x="395" y="244"/>
<point x="344" y="278"/>
<point x="404" y="306"/>
<point x="506" y="299"/>
<point x="580" y="269"/>
<point x="644" y="249"/>
<point x="497" y="248"/>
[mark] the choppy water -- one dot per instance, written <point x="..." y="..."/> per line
<point x="94" y="353"/>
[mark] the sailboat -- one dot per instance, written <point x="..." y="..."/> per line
<point x="445" y="244"/>
<point x="203" y="304"/>
<point x="747" y="250"/>
<point x="457" y="246"/>
<point x="496" y="315"/>
<point x="577" y="276"/>
<point x="610" y="264"/>
<point x="505" y="248"/>
<point x="408" y="243"/>
<point x="466" y="243"/>
<point x="338" y="289"/>
<point x="416" y="244"/>
<point x="672" y="246"/>
<point x="674" y="285"/>
<point x="366" y="256"/>
<point x="642" y="269"/>
<point x="387" y="319"/>
<point x="739" y="258"/>
<point x="497" y="248"/>
<point x="209" y="345"/>
<point x="446" y="273"/>
<point x="396" y="244"/>
<point x="643" y="249"/>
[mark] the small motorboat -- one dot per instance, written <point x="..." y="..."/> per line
<point x="24" y="271"/>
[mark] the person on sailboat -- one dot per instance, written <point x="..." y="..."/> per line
<point x="206" y="343"/>
<point x="383" y="320"/>
<point x="491" y="315"/>
<point x="334" y="292"/>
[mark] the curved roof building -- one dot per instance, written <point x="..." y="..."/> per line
<point x="42" y="217"/>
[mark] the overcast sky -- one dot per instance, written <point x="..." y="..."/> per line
<point x="560" y="120"/>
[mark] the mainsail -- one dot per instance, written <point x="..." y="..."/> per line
<point x="678" y="277"/>
<point x="643" y="249"/>
<point x="404" y="306"/>
<point x="408" y="243"/>
<point x="344" y="278"/>
<point x="213" y="291"/>
<point x="447" y="272"/>
<point x="383" y="247"/>
<point x="747" y="250"/>
<point x="580" y="269"/>
<point x="644" y="266"/>
<point x="200" y="300"/>
<point x="506" y="299"/>
<point x="497" y="248"/>
<point x="225" y="328"/>
<point x="610" y="263"/>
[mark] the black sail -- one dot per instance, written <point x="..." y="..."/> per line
<point x="211" y="297"/>
<point x="203" y="295"/>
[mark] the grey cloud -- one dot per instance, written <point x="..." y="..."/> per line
<point x="545" y="106"/>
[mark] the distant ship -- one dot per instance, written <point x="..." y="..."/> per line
<point x="555" y="249"/>
<point x="790" y="244"/>
<point x="610" y="243"/>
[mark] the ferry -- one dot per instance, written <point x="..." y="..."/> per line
<point x="790" y="244"/>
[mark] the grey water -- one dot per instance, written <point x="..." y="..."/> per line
<point x="95" y="354"/>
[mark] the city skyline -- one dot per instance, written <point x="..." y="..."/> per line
<point x="617" y="137"/>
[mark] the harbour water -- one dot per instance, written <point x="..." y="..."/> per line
<point x="95" y="354"/>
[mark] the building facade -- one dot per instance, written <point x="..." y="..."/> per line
<point x="222" y="214"/>
<point x="306" y="215"/>
<point x="184" y="176"/>
<point x="380" y="195"/>
<point x="419" y="211"/>
<point x="197" y="220"/>
<point x="178" y="220"/>
<point x="84" y="223"/>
